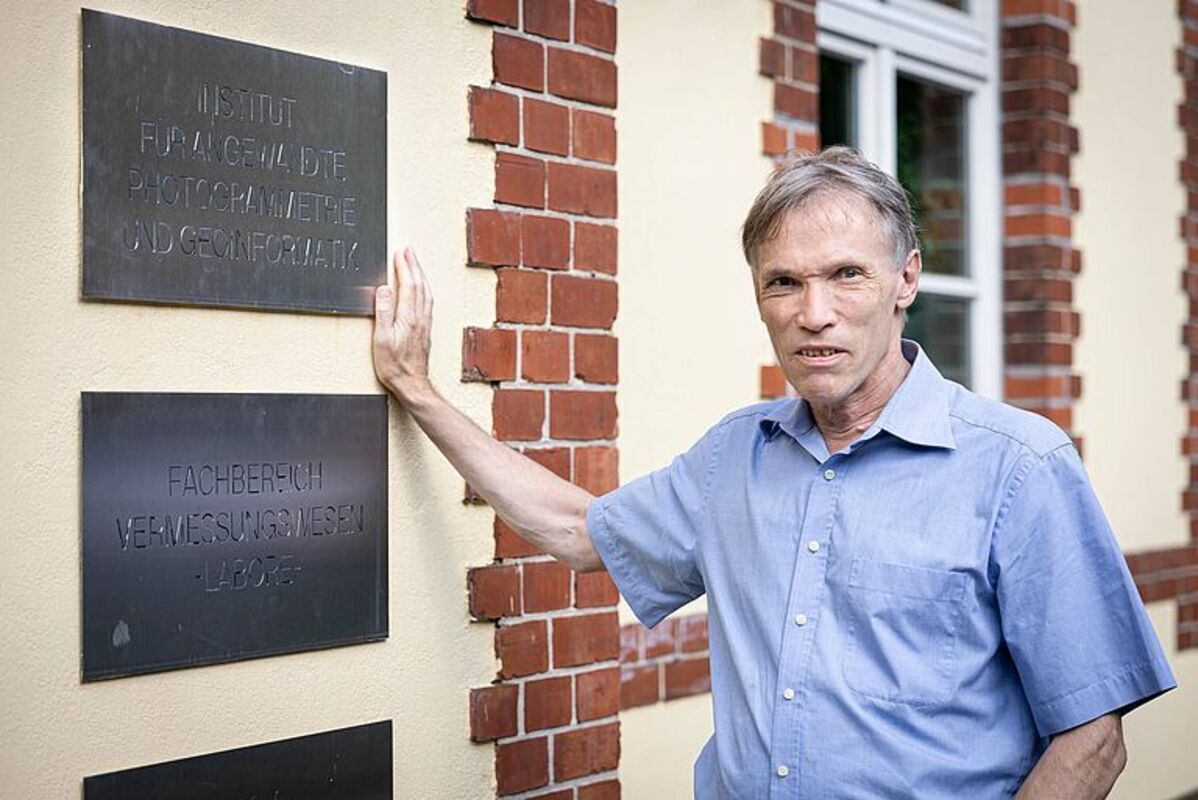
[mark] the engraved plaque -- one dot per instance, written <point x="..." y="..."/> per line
<point x="222" y="173"/>
<point x="219" y="527"/>
<point x="346" y="764"/>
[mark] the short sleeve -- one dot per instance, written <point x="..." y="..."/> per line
<point x="1071" y="617"/>
<point x="647" y="533"/>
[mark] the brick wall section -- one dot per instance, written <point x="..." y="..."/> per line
<point x="1039" y="259"/>
<point x="665" y="663"/>
<point x="790" y="60"/>
<point x="552" y="360"/>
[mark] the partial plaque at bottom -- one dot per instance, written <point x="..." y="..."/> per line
<point x="218" y="527"/>
<point x="346" y="764"/>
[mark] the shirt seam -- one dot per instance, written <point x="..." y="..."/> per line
<point x="1050" y="705"/>
<point x="1012" y="492"/>
<point x="1008" y="435"/>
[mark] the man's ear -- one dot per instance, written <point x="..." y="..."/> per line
<point x="909" y="280"/>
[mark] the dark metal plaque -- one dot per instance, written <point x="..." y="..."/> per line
<point x="222" y="173"/>
<point x="346" y="764"/>
<point x="218" y="527"/>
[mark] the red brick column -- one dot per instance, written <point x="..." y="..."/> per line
<point x="1039" y="259"/>
<point x="790" y="59"/>
<point x="550" y="355"/>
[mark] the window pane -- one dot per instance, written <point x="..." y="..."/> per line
<point x="958" y="4"/>
<point x="930" y="132"/>
<point x="941" y="325"/>
<point x="837" y="101"/>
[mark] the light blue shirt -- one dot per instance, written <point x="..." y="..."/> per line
<point x="912" y="616"/>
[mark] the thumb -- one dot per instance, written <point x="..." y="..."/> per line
<point x="384" y="307"/>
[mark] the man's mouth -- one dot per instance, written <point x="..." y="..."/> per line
<point x="818" y="352"/>
<point x="820" y="356"/>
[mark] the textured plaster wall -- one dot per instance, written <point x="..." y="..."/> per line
<point x="1129" y="354"/>
<point x="55" y="730"/>
<point x="1129" y="292"/>
<point x="691" y="344"/>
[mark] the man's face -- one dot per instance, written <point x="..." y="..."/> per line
<point x="831" y="297"/>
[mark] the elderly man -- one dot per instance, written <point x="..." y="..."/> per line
<point x="912" y="590"/>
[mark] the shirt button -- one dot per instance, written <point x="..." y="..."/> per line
<point x="788" y="694"/>
<point x="800" y="619"/>
<point x="813" y="546"/>
<point x="829" y="474"/>
<point x="783" y="771"/>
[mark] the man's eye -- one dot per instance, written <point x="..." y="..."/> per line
<point x="781" y="280"/>
<point x="850" y="272"/>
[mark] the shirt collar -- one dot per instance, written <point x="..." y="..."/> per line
<point x="918" y="412"/>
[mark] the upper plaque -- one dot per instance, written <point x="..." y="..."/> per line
<point x="227" y="526"/>
<point x="222" y="173"/>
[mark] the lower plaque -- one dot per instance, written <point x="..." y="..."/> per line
<point x="346" y="764"/>
<point x="219" y="527"/>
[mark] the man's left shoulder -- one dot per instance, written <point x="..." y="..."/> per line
<point x="986" y="417"/>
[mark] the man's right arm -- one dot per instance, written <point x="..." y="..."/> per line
<point x="547" y="511"/>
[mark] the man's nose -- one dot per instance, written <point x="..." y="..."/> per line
<point x="817" y="308"/>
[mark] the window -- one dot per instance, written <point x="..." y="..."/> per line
<point x="913" y="85"/>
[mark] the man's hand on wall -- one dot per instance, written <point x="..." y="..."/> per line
<point x="403" y="318"/>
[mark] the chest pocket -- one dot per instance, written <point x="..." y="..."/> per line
<point x="903" y="624"/>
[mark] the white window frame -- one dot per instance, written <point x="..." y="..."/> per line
<point x="958" y="50"/>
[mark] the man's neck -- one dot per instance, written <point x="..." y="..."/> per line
<point x="843" y="423"/>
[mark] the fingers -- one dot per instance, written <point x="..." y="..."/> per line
<point x="384" y="297"/>
<point x="424" y="294"/>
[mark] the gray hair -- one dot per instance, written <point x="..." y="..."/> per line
<point x="836" y="169"/>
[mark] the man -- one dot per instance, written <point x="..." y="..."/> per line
<point x="912" y="590"/>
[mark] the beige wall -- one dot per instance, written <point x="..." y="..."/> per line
<point x="1129" y="354"/>
<point x="690" y="340"/>
<point x="54" y="730"/>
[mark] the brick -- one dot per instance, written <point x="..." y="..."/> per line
<point x="630" y="642"/>
<point x="522" y="649"/>
<point x="585" y="639"/>
<point x="546" y="587"/>
<point x="509" y="544"/>
<point x="1033" y="194"/>
<point x="546" y="242"/>
<point x="771" y="59"/>
<point x="1038" y="34"/>
<point x="582" y="190"/>
<point x="494" y="116"/>
<point x="582" y="415"/>
<point x="1028" y="8"/>
<point x="546" y="127"/>
<point x="687" y="677"/>
<point x="594" y="136"/>
<point x="772" y="381"/>
<point x="602" y="790"/>
<point x="1040" y="66"/>
<point x="1044" y="160"/>
<point x="492" y="237"/>
<point x="581" y="76"/>
<point x="548" y="18"/>
<point x="583" y="302"/>
<point x="563" y="794"/>
<point x="596" y="358"/>
<point x="518" y="62"/>
<point x="773" y="139"/>
<point x="692" y="633"/>
<point x="598" y="694"/>
<point x="522" y="765"/>
<point x="804" y="65"/>
<point x="795" y="23"/>
<point x="488" y="354"/>
<point x="493" y="712"/>
<point x="586" y="751"/>
<point x="805" y="141"/>
<point x="503" y="12"/>
<point x="1042" y="225"/>
<point x="518" y="414"/>
<point x="545" y="356"/>
<point x="554" y="459"/>
<point x="522" y="296"/>
<point x="1036" y="100"/>
<point x="547" y="704"/>
<point x="595" y="247"/>
<point x="519" y="180"/>
<point x="796" y="102"/>
<point x="494" y="592"/>
<point x="639" y="686"/>
<point x="595" y="25"/>
<point x="597" y="469"/>
<point x="595" y="589"/>
<point x="661" y="641"/>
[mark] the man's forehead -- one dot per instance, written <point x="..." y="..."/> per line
<point x="829" y="223"/>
